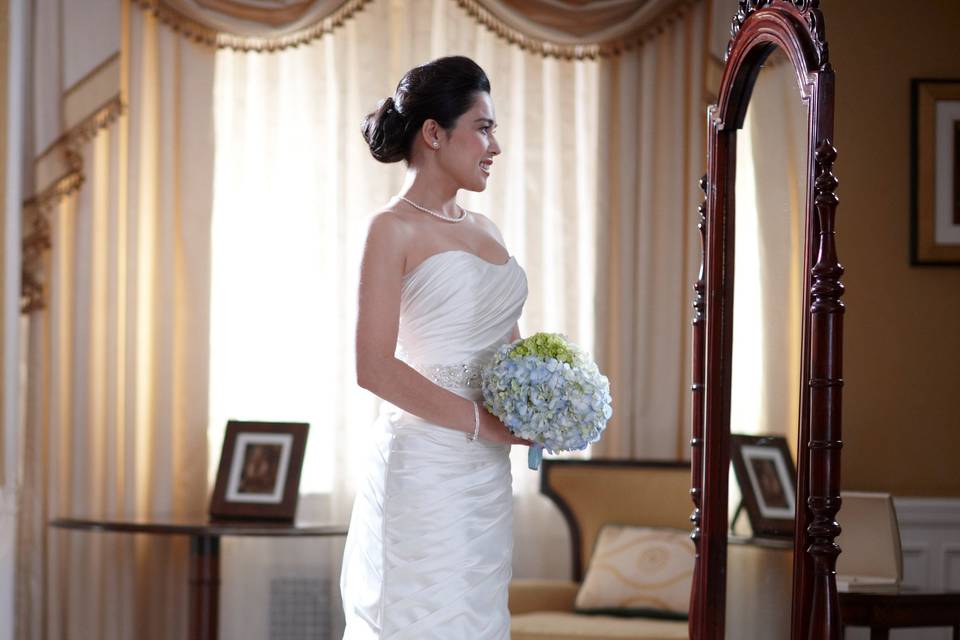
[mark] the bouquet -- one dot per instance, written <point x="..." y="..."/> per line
<point x="546" y="389"/>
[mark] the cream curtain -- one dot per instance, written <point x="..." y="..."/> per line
<point x="117" y="389"/>
<point x="771" y="169"/>
<point x="780" y="143"/>
<point x="652" y="155"/>
<point x="295" y="185"/>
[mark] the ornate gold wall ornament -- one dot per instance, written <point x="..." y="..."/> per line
<point x="36" y="240"/>
<point x="204" y="34"/>
<point x="37" y="226"/>
<point x="37" y="233"/>
<point x="570" y="51"/>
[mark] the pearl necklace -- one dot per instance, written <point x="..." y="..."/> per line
<point x="463" y="213"/>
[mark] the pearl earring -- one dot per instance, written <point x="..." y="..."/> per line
<point x="436" y="144"/>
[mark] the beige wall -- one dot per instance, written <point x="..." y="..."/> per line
<point x="901" y="415"/>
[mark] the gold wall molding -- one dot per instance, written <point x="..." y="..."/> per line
<point x="87" y="96"/>
<point x="64" y="158"/>
<point x="197" y="31"/>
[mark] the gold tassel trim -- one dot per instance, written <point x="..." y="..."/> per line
<point x="203" y="34"/>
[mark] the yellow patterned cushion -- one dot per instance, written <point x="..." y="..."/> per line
<point x="638" y="571"/>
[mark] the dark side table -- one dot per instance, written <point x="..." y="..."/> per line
<point x="906" y="608"/>
<point x="205" y="537"/>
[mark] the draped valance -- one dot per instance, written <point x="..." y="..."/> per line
<point x="253" y="25"/>
<point x="576" y="28"/>
<point x="560" y="28"/>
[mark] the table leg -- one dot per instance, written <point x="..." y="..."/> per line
<point x="879" y="633"/>
<point x="204" y="586"/>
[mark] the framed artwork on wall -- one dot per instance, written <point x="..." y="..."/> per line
<point x="765" y="473"/>
<point x="935" y="172"/>
<point x="259" y="472"/>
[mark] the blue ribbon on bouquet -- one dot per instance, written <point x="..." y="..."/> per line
<point x="534" y="456"/>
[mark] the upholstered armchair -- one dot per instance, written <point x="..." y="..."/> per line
<point x="591" y="493"/>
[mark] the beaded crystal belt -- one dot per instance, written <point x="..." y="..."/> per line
<point x="464" y="374"/>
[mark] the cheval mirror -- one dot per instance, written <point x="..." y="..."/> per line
<point x="767" y="330"/>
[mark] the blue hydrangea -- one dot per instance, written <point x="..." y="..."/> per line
<point x="546" y="389"/>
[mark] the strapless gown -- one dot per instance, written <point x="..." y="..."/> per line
<point x="428" y="555"/>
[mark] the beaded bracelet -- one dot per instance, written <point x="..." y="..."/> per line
<point x="476" y="423"/>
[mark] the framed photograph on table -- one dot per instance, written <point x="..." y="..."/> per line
<point x="765" y="473"/>
<point x="935" y="172"/>
<point x="259" y="473"/>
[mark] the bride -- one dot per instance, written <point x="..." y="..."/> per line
<point x="429" y="550"/>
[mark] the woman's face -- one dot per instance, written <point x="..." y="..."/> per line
<point x="467" y="154"/>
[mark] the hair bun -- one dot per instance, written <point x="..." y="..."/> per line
<point x="383" y="131"/>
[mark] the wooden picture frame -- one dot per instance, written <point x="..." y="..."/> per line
<point x="935" y="172"/>
<point x="259" y="473"/>
<point x="766" y="474"/>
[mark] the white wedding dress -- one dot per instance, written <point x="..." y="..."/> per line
<point x="429" y="550"/>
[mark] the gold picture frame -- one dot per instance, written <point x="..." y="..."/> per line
<point x="935" y="172"/>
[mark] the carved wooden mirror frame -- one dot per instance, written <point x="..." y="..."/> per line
<point x="759" y="27"/>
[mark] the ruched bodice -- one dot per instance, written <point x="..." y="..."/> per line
<point x="457" y="307"/>
<point x="429" y="551"/>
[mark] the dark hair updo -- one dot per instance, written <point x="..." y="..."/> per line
<point x="443" y="90"/>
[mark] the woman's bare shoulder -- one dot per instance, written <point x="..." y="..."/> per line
<point x="386" y="225"/>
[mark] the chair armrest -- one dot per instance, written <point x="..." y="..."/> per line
<point x="537" y="594"/>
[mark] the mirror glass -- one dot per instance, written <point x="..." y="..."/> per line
<point x="770" y="200"/>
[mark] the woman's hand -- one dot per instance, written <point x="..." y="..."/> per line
<point x="493" y="430"/>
